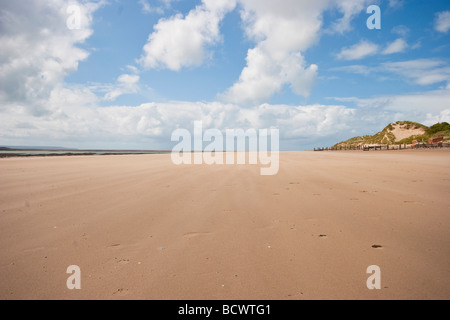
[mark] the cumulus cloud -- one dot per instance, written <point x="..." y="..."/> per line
<point x="38" y="49"/>
<point x="182" y="41"/>
<point x="399" y="45"/>
<point x="358" y="51"/>
<point x="282" y="31"/>
<point x="150" y="125"/>
<point x="442" y="23"/>
<point x="263" y="76"/>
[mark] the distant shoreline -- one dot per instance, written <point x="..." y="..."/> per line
<point x="21" y="153"/>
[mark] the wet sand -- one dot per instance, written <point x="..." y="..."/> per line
<point x="140" y="227"/>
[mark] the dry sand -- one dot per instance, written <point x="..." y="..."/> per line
<point x="140" y="227"/>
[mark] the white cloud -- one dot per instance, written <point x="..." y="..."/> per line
<point x="132" y="69"/>
<point x="263" y="76"/>
<point x="357" y="69"/>
<point x="401" y="30"/>
<point x="38" y="49"/>
<point x="421" y="71"/>
<point x="442" y="23"/>
<point x="396" y="3"/>
<point x="180" y="41"/>
<point x="358" y="51"/>
<point x="397" y="46"/>
<point x="128" y="80"/>
<point x="416" y="45"/>
<point x="443" y="116"/>
<point x="282" y="31"/>
<point x="418" y="106"/>
<point x="126" y="84"/>
<point x="74" y="121"/>
<point x="147" y="8"/>
<point x="149" y="126"/>
<point x="167" y="3"/>
<point x="349" y="8"/>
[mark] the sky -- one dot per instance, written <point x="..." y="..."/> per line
<point x="113" y="74"/>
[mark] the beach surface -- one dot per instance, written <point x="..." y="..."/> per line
<point x="140" y="227"/>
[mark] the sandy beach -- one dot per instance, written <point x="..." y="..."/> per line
<point x="140" y="227"/>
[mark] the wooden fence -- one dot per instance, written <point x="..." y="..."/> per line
<point x="387" y="147"/>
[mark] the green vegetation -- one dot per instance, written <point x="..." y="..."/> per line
<point x="436" y="131"/>
<point x="387" y="136"/>
<point x="357" y="140"/>
<point x="411" y="125"/>
<point x="438" y="128"/>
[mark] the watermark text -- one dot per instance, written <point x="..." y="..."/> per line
<point x="74" y="281"/>
<point x="238" y="146"/>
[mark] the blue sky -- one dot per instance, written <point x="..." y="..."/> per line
<point x="134" y="71"/>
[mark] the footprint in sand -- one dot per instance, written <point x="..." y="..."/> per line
<point x="121" y="292"/>
<point x="34" y="249"/>
<point x="123" y="261"/>
<point x="195" y="234"/>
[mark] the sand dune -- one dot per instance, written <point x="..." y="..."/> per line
<point x="140" y="227"/>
